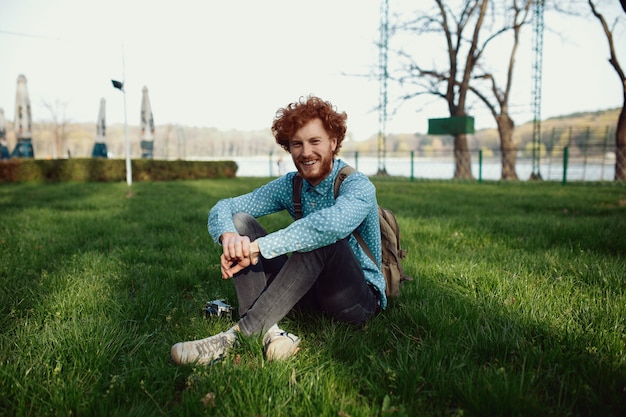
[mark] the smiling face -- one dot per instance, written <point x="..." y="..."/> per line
<point x="312" y="151"/>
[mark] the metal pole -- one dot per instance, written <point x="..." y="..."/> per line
<point x="129" y="169"/>
<point x="565" y="156"/>
<point x="586" y="149"/>
<point x="536" y="93"/>
<point x="383" y="77"/>
<point x="551" y="154"/>
<point x="606" y="139"/>
<point x="480" y="165"/>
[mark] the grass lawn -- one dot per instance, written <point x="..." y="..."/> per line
<point x="518" y="307"/>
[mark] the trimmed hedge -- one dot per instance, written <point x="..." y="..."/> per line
<point x="108" y="170"/>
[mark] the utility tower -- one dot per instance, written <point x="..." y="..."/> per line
<point x="536" y="97"/>
<point x="383" y="76"/>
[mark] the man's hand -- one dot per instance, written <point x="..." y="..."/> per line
<point x="237" y="254"/>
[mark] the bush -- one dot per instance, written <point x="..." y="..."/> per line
<point x="109" y="170"/>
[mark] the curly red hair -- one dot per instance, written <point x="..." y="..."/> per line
<point x="291" y="118"/>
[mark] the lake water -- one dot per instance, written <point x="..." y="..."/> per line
<point x="436" y="168"/>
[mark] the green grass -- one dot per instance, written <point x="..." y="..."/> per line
<point x="518" y="307"/>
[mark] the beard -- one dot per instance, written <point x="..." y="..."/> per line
<point x="315" y="173"/>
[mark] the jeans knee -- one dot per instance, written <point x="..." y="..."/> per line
<point x="241" y="221"/>
<point x="246" y="225"/>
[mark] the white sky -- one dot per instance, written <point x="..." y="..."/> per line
<point x="232" y="64"/>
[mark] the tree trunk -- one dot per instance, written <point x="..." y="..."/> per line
<point x="620" y="144"/>
<point x="508" y="149"/>
<point x="462" y="158"/>
<point x="620" y="135"/>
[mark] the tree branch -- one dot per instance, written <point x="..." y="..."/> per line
<point x="609" y="36"/>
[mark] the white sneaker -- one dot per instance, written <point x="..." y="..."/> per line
<point x="204" y="351"/>
<point x="280" y="344"/>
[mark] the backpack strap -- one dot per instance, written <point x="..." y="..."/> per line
<point x="364" y="246"/>
<point x="343" y="174"/>
<point x="297" y="195"/>
<point x="297" y="188"/>
<point x="297" y="203"/>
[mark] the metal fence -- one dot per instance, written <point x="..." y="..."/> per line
<point x="564" y="154"/>
<point x="561" y="166"/>
<point x="555" y="167"/>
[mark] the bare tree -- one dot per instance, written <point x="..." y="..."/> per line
<point x="464" y="61"/>
<point x="58" y="124"/>
<point x="620" y="134"/>
<point x="453" y="83"/>
<point x="500" y="109"/>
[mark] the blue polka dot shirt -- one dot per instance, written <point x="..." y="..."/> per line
<point x="325" y="220"/>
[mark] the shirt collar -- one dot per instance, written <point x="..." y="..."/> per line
<point x="327" y="184"/>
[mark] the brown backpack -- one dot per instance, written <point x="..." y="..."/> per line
<point x="392" y="253"/>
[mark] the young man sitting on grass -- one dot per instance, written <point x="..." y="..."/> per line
<point x="313" y="265"/>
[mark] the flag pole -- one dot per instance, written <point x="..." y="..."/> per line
<point x="120" y="86"/>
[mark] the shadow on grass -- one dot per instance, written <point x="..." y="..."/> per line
<point x="98" y="282"/>
<point x="488" y="358"/>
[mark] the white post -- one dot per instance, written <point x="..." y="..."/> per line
<point x="129" y="168"/>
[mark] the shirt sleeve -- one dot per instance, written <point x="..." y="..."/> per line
<point x="267" y="199"/>
<point x="356" y="200"/>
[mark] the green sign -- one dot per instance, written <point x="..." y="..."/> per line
<point x="455" y="125"/>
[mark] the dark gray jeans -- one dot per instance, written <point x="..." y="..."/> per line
<point x="327" y="280"/>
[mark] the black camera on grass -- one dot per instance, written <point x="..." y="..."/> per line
<point x="218" y="308"/>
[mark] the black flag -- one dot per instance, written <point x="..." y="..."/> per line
<point x="118" y="84"/>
